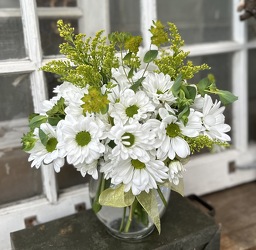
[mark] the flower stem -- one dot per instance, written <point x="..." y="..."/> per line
<point x="128" y="223"/>
<point x="123" y="219"/>
<point x="162" y="196"/>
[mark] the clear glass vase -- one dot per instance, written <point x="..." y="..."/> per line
<point x="130" y="222"/>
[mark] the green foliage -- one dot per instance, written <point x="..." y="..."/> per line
<point x="159" y="35"/>
<point x="208" y="86"/>
<point x="90" y="60"/>
<point x="173" y="62"/>
<point x="28" y="141"/>
<point x="57" y="112"/>
<point x="200" y="142"/>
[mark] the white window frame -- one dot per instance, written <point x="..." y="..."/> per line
<point x="205" y="173"/>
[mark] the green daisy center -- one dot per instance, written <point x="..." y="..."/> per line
<point x="83" y="138"/>
<point x="138" y="164"/>
<point x="172" y="130"/>
<point x="51" y="144"/>
<point x="128" y="139"/>
<point x="159" y="92"/>
<point x="132" y="110"/>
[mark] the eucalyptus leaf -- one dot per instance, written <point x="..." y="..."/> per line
<point x="137" y="84"/>
<point x="177" y="85"/>
<point x="226" y="97"/>
<point x="127" y="56"/>
<point x="116" y="197"/>
<point x="191" y="92"/>
<point x="36" y="121"/>
<point x="150" y="56"/>
<point x="203" y="85"/>
<point x="43" y="137"/>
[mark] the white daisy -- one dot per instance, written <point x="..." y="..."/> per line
<point x="90" y="169"/>
<point x="46" y="152"/>
<point x="132" y="141"/>
<point x="79" y="139"/>
<point x="213" y="120"/>
<point x="132" y="106"/>
<point x="171" y="142"/>
<point x="176" y="170"/>
<point x="139" y="176"/>
<point x="158" y="87"/>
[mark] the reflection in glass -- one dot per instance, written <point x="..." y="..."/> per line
<point x="198" y="20"/>
<point x="252" y="95"/>
<point x="11" y="39"/>
<point x="50" y="38"/>
<point x="15" y="96"/>
<point x="56" y="3"/>
<point x="125" y="16"/>
<point x="18" y="180"/>
<point x="221" y="68"/>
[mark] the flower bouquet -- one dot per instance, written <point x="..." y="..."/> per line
<point x="128" y="117"/>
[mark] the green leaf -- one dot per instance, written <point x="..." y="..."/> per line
<point x="127" y="56"/>
<point x="150" y="56"/>
<point x="191" y="92"/>
<point x="36" y="121"/>
<point x="203" y="85"/>
<point x="183" y="115"/>
<point x="43" y="137"/>
<point x="149" y="203"/>
<point x="177" y="85"/>
<point x="137" y="84"/>
<point x="116" y="197"/>
<point x="54" y="120"/>
<point x="226" y="97"/>
<point x="130" y="74"/>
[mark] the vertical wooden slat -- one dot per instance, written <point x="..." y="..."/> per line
<point x="148" y="14"/>
<point x="38" y="88"/>
<point x="240" y="83"/>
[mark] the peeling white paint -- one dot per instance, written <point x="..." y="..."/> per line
<point x="7" y="168"/>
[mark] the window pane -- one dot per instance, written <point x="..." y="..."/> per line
<point x="251" y="29"/>
<point x="9" y="4"/>
<point x="11" y="39"/>
<point x="69" y="176"/>
<point x="56" y="3"/>
<point x="125" y="16"/>
<point x="15" y="96"/>
<point x="252" y="95"/>
<point x="18" y="180"/>
<point x="221" y="69"/>
<point x="198" y="20"/>
<point x="50" y="36"/>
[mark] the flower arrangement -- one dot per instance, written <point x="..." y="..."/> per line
<point x="127" y="115"/>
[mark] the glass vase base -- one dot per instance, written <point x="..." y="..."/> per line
<point x="136" y="231"/>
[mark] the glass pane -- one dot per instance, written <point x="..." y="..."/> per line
<point x="252" y="95"/>
<point x="18" y="180"/>
<point x="56" y="3"/>
<point x="125" y="16"/>
<point x="50" y="38"/>
<point x="15" y="96"/>
<point x="69" y="176"/>
<point x="11" y="39"/>
<point x="198" y="20"/>
<point x="221" y="69"/>
<point x="251" y="28"/>
<point x="9" y="4"/>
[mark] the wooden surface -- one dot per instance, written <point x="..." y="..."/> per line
<point x="184" y="227"/>
<point x="236" y="211"/>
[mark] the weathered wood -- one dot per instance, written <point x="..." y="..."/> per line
<point x="183" y="227"/>
<point x="236" y="212"/>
